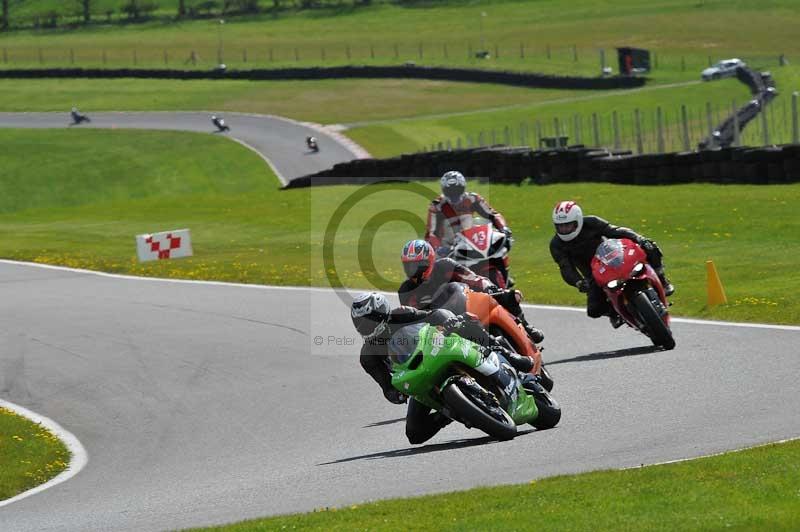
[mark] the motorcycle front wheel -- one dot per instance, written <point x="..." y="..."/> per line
<point x="659" y="332"/>
<point x="549" y="411"/>
<point x="474" y="412"/>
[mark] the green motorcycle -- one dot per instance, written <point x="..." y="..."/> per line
<point x="476" y="387"/>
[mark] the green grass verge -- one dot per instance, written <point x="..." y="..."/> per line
<point x="318" y="101"/>
<point x="754" y="489"/>
<point x="675" y="29"/>
<point x="92" y="191"/>
<point x="29" y="454"/>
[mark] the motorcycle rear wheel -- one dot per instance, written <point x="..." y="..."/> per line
<point x="469" y="409"/>
<point x="660" y="333"/>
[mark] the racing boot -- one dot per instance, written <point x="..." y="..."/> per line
<point x="520" y="363"/>
<point x="535" y="334"/>
<point x="615" y="319"/>
<point x="669" y="288"/>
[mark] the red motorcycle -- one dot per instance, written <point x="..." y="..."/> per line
<point x="632" y="286"/>
<point x="484" y="250"/>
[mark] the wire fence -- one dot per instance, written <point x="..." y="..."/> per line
<point x="215" y="49"/>
<point x="657" y="130"/>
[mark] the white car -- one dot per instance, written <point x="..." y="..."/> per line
<point x="723" y="69"/>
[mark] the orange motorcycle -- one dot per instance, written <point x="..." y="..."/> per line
<point x="458" y="298"/>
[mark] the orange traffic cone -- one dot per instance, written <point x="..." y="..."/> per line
<point x="716" y="294"/>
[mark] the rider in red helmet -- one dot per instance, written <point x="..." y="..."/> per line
<point x="425" y="274"/>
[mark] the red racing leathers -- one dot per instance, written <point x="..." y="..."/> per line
<point x="446" y="219"/>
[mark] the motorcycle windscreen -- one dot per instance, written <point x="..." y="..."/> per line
<point x="611" y="253"/>
<point x="404" y="342"/>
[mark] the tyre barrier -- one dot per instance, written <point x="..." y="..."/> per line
<point x="502" y="77"/>
<point x="502" y="164"/>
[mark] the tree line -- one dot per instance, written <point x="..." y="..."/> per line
<point x="82" y="11"/>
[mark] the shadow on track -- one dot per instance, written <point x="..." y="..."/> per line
<point x="382" y="423"/>
<point x="628" y="352"/>
<point x="411" y="451"/>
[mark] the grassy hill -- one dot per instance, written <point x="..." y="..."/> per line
<point x="537" y="36"/>
<point x="91" y="191"/>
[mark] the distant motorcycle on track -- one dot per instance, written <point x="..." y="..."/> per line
<point x="219" y="122"/>
<point x="77" y="117"/>
<point x="311" y="144"/>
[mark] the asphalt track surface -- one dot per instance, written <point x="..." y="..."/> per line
<point x="281" y="140"/>
<point x="203" y="403"/>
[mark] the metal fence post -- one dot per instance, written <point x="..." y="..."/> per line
<point x="595" y="130"/>
<point x="795" y="124"/>
<point x="764" y="125"/>
<point x="576" y="128"/>
<point x="496" y="52"/>
<point x="548" y="51"/>
<point x="396" y="52"/>
<point x="685" y="124"/>
<point x="602" y="59"/>
<point x="458" y="143"/>
<point x="506" y="136"/>
<point x="638" y="124"/>
<point x="538" y="134"/>
<point x="615" y="125"/>
<point x="244" y="55"/>
<point x="660" y="131"/>
<point x="371" y="51"/>
<point x="736" y="138"/>
<point x="494" y="137"/>
<point x="708" y="119"/>
<point x="557" y="129"/>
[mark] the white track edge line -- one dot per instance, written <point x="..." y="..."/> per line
<point x="264" y="157"/>
<point x="794" y="328"/>
<point x="721" y="453"/>
<point x="78" y="460"/>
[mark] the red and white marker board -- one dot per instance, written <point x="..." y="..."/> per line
<point x="166" y="245"/>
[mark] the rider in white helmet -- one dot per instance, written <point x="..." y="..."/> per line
<point x="574" y="244"/>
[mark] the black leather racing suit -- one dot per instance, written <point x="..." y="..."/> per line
<point x="574" y="258"/>
<point x="419" y="294"/>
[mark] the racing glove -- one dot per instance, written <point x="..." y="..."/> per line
<point x="582" y="285"/>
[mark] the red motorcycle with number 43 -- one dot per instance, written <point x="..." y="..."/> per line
<point x="620" y="268"/>
<point x="484" y="250"/>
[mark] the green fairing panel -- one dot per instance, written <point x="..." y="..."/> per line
<point x="438" y="353"/>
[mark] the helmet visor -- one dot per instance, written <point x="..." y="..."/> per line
<point x="567" y="228"/>
<point x="415" y="269"/>
<point x="454" y="193"/>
